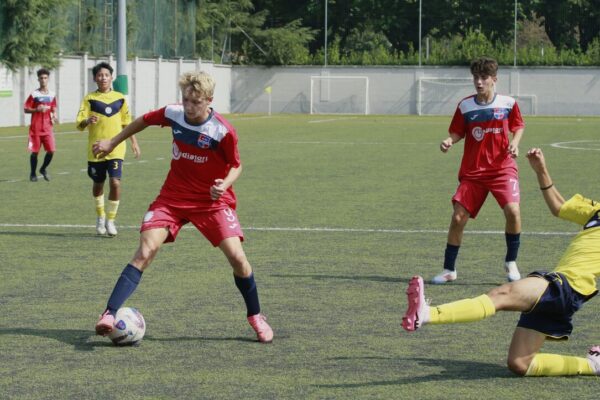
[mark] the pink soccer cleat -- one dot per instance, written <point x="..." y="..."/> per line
<point x="264" y="333"/>
<point x="418" y="310"/>
<point x="594" y="358"/>
<point x="105" y="324"/>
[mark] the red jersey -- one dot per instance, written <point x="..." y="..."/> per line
<point x="485" y="128"/>
<point x="201" y="154"/>
<point x="41" y="122"/>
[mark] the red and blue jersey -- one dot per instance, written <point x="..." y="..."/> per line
<point x="485" y="128"/>
<point x="41" y="122"/>
<point x="201" y="154"/>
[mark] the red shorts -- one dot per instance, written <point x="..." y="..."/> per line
<point x="36" y="142"/>
<point x="214" y="225"/>
<point x="471" y="194"/>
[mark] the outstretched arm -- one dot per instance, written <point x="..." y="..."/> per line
<point x="103" y="147"/>
<point x="552" y="196"/>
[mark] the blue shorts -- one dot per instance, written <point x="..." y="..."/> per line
<point x="98" y="170"/>
<point x="552" y="314"/>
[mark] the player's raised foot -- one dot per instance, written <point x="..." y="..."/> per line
<point x="264" y="333"/>
<point x="594" y="358"/>
<point x="417" y="313"/>
<point x="105" y="324"/>
<point x="111" y="229"/>
<point x="100" y="226"/>
<point x="512" y="272"/>
<point x="445" y="277"/>
<point x="33" y="178"/>
<point x="45" y="175"/>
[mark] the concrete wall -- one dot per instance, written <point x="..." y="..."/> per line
<point x="396" y="90"/>
<point x="392" y="90"/>
<point x="152" y="84"/>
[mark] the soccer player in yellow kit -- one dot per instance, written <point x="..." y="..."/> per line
<point x="105" y="112"/>
<point x="546" y="300"/>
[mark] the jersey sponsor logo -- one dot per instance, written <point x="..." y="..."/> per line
<point x="477" y="133"/>
<point x="108" y="110"/>
<point x="178" y="154"/>
<point x="498" y="113"/>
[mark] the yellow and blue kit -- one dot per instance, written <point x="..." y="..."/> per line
<point x="113" y="114"/>
<point x="573" y="281"/>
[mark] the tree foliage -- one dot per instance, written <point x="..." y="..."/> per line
<point x="31" y="32"/>
<point x="276" y="32"/>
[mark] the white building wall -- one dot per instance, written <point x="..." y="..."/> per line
<point x="240" y="89"/>
<point x="152" y="84"/>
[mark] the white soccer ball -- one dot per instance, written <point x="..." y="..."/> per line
<point x="129" y="327"/>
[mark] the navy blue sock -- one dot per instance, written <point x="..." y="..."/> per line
<point x="247" y="287"/>
<point x="450" y="256"/>
<point x="33" y="159"/>
<point x="513" y="241"/>
<point x="125" y="286"/>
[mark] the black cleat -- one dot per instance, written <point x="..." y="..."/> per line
<point x="45" y="175"/>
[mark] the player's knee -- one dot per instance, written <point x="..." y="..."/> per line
<point x="518" y="365"/>
<point x="460" y="219"/>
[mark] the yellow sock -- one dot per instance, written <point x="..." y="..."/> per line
<point x="557" y="365"/>
<point x="111" y="210"/>
<point x="467" y="310"/>
<point x="99" y="205"/>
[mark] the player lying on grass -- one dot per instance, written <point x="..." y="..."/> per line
<point x="198" y="189"/>
<point x="546" y="300"/>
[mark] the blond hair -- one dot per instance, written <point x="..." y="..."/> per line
<point x="198" y="82"/>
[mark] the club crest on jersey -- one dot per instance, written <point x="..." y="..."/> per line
<point x="498" y="113"/>
<point x="108" y="110"/>
<point x="477" y="133"/>
<point x="204" y="141"/>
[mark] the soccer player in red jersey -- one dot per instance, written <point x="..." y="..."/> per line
<point x="198" y="189"/>
<point x="485" y="121"/>
<point x="41" y="104"/>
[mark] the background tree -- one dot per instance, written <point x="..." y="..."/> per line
<point x="32" y="32"/>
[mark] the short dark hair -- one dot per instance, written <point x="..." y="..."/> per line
<point x="101" y="65"/>
<point x="42" y="71"/>
<point x="484" y="66"/>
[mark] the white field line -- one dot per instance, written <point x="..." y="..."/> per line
<point x="27" y="135"/>
<point x="305" y="229"/>
<point x="319" y="121"/>
<point x="572" y="145"/>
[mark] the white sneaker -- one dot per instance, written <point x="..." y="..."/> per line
<point x="594" y="358"/>
<point x="100" y="229"/>
<point x="111" y="229"/>
<point x="512" y="272"/>
<point x="444" y="277"/>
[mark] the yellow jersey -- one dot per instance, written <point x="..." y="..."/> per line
<point x="113" y="114"/>
<point x="581" y="262"/>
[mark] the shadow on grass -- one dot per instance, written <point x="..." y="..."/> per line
<point x="86" y="340"/>
<point x="54" y="234"/>
<point x="459" y="370"/>
<point x="372" y="278"/>
<point x="378" y="278"/>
